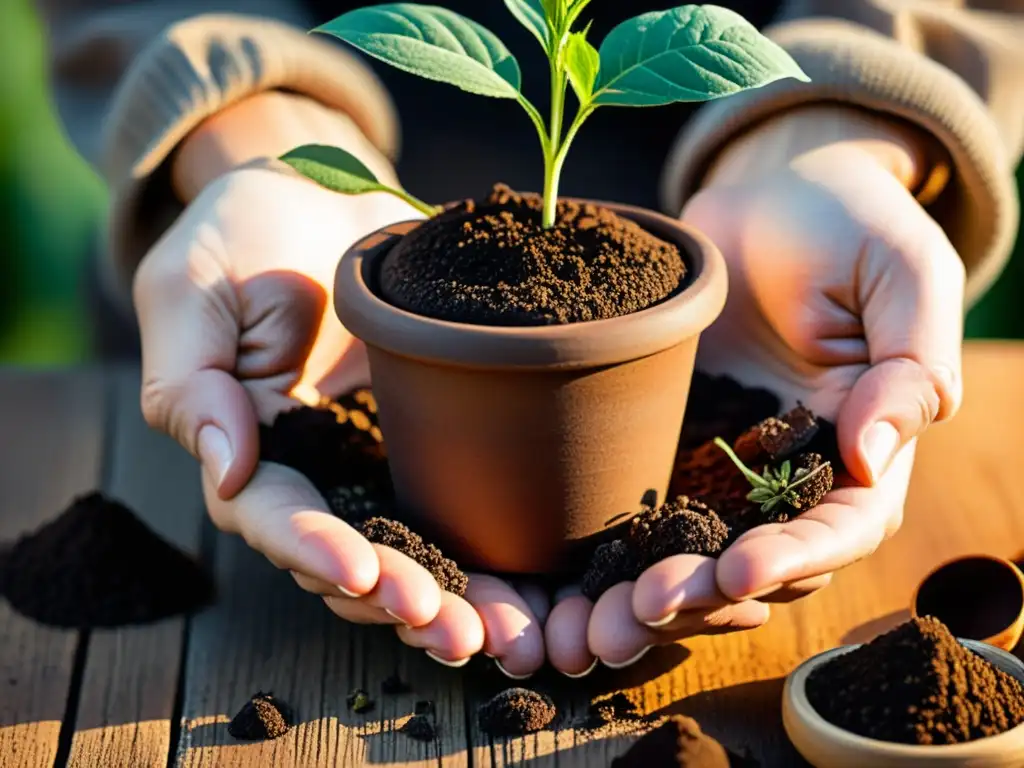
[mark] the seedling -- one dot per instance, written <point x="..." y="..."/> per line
<point x="773" y="485"/>
<point x="691" y="53"/>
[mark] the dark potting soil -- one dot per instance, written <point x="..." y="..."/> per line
<point x="682" y="526"/>
<point x="264" y="716"/>
<point x="420" y="728"/>
<point x="516" y="711"/>
<point x="491" y="262"/>
<point x="612" y="563"/>
<point x="99" y="565"/>
<point x="679" y="741"/>
<point x="916" y="685"/>
<point x="391" y="533"/>
<point x="777" y="438"/>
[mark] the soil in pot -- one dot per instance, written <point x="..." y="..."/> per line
<point x="916" y="685"/>
<point x="490" y="262"/>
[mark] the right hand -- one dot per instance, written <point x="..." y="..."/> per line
<point x="235" y="309"/>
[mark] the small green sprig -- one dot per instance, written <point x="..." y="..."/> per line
<point x="689" y="53"/>
<point x="773" y="485"/>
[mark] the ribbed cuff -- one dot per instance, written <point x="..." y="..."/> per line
<point x="193" y="70"/>
<point x="979" y="210"/>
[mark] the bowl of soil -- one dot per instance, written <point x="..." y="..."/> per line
<point x="979" y="597"/>
<point x="915" y="696"/>
<point x="531" y="355"/>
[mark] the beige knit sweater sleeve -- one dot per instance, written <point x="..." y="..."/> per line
<point x="132" y="79"/>
<point x="953" y="67"/>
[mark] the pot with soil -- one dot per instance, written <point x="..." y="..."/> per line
<point x="530" y="356"/>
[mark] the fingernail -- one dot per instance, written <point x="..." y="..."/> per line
<point x="396" y="617"/>
<point x="506" y="673"/>
<point x="584" y="673"/>
<point x="347" y="593"/>
<point x="446" y="662"/>
<point x="881" y="442"/>
<point x="489" y="655"/>
<point x="633" y="660"/>
<point x="215" y="451"/>
<point x="662" y="622"/>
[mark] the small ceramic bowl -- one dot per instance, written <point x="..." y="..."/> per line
<point x="979" y="597"/>
<point x="824" y="745"/>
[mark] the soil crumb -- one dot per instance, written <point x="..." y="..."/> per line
<point x="916" y="685"/>
<point x="813" y="491"/>
<point x="491" y="262"/>
<point x="420" y="728"/>
<point x="264" y="716"/>
<point x="777" y="438"/>
<point x="359" y="701"/>
<point x="679" y="741"/>
<point x="394" y="685"/>
<point x="98" y="565"/>
<point x="682" y="526"/>
<point x="396" y="535"/>
<point x="516" y="711"/>
<point x="614" y="708"/>
<point x="612" y="563"/>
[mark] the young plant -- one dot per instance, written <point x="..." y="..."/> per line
<point x="690" y="53"/>
<point x="773" y="485"/>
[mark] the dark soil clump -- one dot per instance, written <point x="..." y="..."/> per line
<point x="356" y="503"/>
<point x="263" y="717"/>
<point x="683" y="526"/>
<point x="678" y="741"/>
<point x="99" y="565"/>
<point x="614" y="708"/>
<point x="420" y="728"/>
<point x="916" y="685"/>
<point x="516" y="711"/>
<point x="491" y="263"/>
<point x="813" y="491"/>
<point x="777" y="437"/>
<point x="359" y="701"/>
<point x="612" y="563"/>
<point x="396" y="535"/>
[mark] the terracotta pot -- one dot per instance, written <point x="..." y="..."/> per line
<point x="516" y="449"/>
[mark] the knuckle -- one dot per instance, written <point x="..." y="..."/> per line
<point x="155" y="400"/>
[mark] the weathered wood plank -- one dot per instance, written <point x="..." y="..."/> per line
<point x="965" y="497"/>
<point x="266" y="634"/>
<point x="128" y="688"/>
<point x="51" y="451"/>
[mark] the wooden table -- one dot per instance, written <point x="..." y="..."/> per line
<point x="162" y="694"/>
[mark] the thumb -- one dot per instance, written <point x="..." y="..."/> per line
<point x="912" y="311"/>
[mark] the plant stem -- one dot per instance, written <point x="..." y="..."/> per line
<point x="755" y="479"/>
<point x="425" y="208"/>
<point x="808" y="476"/>
<point x="552" y="166"/>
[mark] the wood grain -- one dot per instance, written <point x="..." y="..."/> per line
<point x="128" y="688"/>
<point x="50" y="451"/>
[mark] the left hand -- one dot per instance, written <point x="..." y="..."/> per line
<point x="843" y="294"/>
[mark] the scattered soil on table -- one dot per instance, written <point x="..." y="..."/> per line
<point x="99" y="565"/>
<point x="490" y="262"/>
<point x="420" y="728"/>
<point x="394" y="685"/>
<point x="264" y="716"/>
<point x="516" y="711"/>
<point x="679" y="741"/>
<point x="916" y="685"/>
<point x="614" y="708"/>
<point x="359" y="701"/>
<point x="391" y="533"/>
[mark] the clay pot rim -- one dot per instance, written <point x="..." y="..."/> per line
<point x="552" y="347"/>
<point x="800" y="718"/>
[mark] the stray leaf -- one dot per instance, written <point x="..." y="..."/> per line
<point x="434" y="43"/>
<point x="581" y="63"/>
<point x="690" y="53"/>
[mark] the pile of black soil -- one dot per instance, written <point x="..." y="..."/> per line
<point x="516" y="711"/>
<point x="678" y="742"/>
<point x="916" y="685"/>
<point x="99" y="565"/>
<point x="396" y="535"/>
<point x="491" y="262"/>
<point x="264" y="716"/>
<point x="419" y="728"/>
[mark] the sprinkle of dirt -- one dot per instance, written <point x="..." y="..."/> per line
<point x="516" y="711"/>
<point x="682" y="526"/>
<point x="394" y="685"/>
<point x="916" y="685"/>
<point x="614" y="708"/>
<point x="420" y="728"/>
<point x="359" y="701"/>
<point x="396" y="535"/>
<point x="98" y="565"/>
<point x="491" y="263"/>
<point x="679" y="741"/>
<point x="263" y="717"/>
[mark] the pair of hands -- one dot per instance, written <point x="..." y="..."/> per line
<point x="843" y="294"/>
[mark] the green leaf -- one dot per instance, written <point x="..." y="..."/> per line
<point x="531" y="14"/>
<point x="575" y="9"/>
<point x="769" y="505"/>
<point x="784" y="472"/>
<point x="335" y="169"/>
<point x="760" y="495"/>
<point x="690" y="53"/>
<point x="434" y="43"/>
<point x="581" y="63"/>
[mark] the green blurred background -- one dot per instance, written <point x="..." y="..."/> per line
<point x="51" y="207"/>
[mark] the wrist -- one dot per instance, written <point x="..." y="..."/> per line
<point x="265" y="125"/>
<point x="911" y="155"/>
